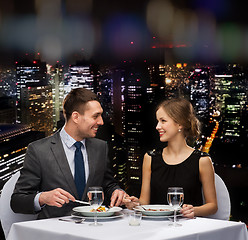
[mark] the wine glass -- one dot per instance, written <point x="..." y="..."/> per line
<point x="175" y="197"/>
<point x="96" y="197"/>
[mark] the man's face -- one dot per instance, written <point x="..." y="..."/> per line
<point x="90" y="120"/>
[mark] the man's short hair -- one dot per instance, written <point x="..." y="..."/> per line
<point x="76" y="100"/>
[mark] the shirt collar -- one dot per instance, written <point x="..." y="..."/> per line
<point x="67" y="139"/>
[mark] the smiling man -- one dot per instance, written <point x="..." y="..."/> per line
<point x="60" y="168"/>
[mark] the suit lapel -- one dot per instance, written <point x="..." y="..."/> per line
<point x="60" y="157"/>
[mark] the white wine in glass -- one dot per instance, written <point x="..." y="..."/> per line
<point x="96" y="197"/>
<point x="175" y="197"/>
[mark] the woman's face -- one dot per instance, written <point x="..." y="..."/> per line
<point x="166" y="126"/>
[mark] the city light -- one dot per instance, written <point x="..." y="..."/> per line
<point x="129" y="92"/>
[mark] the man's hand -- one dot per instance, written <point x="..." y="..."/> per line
<point x="117" y="197"/>
<point x="57" y="197"/>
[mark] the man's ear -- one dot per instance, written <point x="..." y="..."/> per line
<point x="75" y="116"/>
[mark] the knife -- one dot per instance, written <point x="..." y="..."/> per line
<point x="82" y="202"/>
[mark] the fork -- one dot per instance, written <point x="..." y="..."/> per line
<point x="71" y="220"/>
<point x="140" y="206"/>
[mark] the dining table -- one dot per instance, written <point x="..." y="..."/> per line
<point x="118" y="228"/>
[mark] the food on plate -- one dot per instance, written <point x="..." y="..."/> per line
<point x="99" y="209"/>
<point x="158" y="209"/>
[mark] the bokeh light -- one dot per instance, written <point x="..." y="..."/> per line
<point x="192" y="31"/>
<point x="78" y="6"/>
<point x="125" y="35"/>
<point x="230" y="42"/>
<point x="55" y="32"/>
<point x="67" y="35"/>
<point x="194" y="34"/>
<point x="160" y="18"/>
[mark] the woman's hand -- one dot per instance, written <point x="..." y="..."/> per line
<point x="131" y="202"/>
<point x="188" y="211"/>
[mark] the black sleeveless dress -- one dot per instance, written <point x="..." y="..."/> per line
<point x="185" y="174"/>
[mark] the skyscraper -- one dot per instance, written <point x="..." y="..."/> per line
<point x="7" y="110"/>
<point x="231" y="102"/>
<point x="7" y="82"/>
<point x="200" y="92"/>
<point x="106" y="87"/>
<point x="29" y="74"/>
<point x="37" y="108"/>
<point x="134" y="82"/>
<point x="230" y="95"/>
<point x="14" y="139"/>
<point x="104" y="90"/>
<point x="80" y="75"/>
<point x="57" y="83"/>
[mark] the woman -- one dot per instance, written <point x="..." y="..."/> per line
<point x="178" y="164"/>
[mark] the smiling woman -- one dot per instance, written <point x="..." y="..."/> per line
<point x="178" y="165"/>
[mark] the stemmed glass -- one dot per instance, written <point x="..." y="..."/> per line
<point x="175" y="197"/>
<point x="96" y="197"/>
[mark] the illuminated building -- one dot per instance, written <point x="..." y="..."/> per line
<point x="230" y="109"/>
<point x="57" y="83"/>
<point x="171" y="80"/>
<point x="231" y="102"/>
<point x="156" y="90"/>
<point x="14" y="140"/>
<point x="29" y="74"/>
<point x="117" y="153"/>
<point x="119" y="160"/>
<point x="104" y="90"/>
<point x="7" y="83"/>
<point x="174" y="79"/>
<point x="7" y="110"/>
<point x="200" y="92"/>
<point x="80" y="75"/>
<point x="37" y="108"/>
<point x="134" y="82"/>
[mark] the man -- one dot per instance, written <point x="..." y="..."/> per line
<point x="47" y="183"/>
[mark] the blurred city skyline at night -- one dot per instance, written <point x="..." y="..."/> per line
<point x="65" y="30"/>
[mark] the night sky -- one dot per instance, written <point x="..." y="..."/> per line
<point x="104" y="29"/>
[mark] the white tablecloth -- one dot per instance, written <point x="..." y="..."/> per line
<point x="118" y="229"/>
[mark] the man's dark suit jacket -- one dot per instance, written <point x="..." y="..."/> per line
<point x="46" y="168"/>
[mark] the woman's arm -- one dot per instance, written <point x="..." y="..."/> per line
<point x="208" y="184"/>
<point x="146" y="180"/>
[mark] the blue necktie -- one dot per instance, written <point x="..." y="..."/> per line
<point x="79" y="176"/>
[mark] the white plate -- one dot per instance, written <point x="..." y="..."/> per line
<point x="161" y="217"/>
<point x="155" y="210"/>
<point x="86" y="211"/>
<point x="115" y="215"/>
